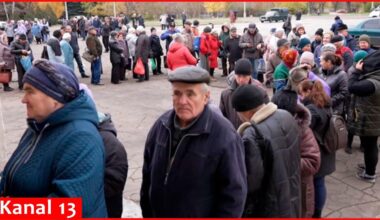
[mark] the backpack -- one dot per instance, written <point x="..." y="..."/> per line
<point x="255" y="204"/>
<point x="197" y="43"/>
<point x="336" y="134"/>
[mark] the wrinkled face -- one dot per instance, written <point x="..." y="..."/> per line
<point x="242" y="79"/>
<point x="38" y="105"/>
<point x="326" y="64"/>
<point x="363" y="45"/>
<point x="326" y="38"/>
<point x="189" y="101"/>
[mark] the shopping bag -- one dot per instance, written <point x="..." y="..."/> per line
<point x="26" y="62"/>
<point x="139" y="68"/>
<point x="153" y="64"/>
<point x="5" y="76"/>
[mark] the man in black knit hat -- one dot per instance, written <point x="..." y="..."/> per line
<point x="275" y="169"/>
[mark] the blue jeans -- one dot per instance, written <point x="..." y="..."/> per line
<point x="254" y="63"/>
<point x="95" y="71"/>
<point x="320" y="193"/>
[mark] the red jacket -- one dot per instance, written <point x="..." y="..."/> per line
<point x="179" y="55"/>
<point x="210" y="46"/>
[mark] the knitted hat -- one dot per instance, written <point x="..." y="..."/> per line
<point x="336" y="18"/>
<point x="289" y="56"/>
<point x="319" y="32"/>
<point x="286" y="100"/>
<point x="282" y="42"/>
<point x="365" y="37"/>
<point x="55" y="80"/>
<point x="328" y="48"/>
<point x="247" y="97"/>
<point x="296" y="76"/>
<point x="207" y="29"/>
<point x="342" y="27"/>
<point x="303" y="42"/>
<point x="359" y="55"/>
<point x="336" y="38"/>
<point x="243" y="67"/>
<point x="307" y="57"/>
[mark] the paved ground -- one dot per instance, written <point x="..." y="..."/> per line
<point x="135" y="107"/>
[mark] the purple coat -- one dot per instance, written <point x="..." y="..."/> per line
<point x="326" y="87"/>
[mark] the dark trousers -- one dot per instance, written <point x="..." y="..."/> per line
<point x="146" y="67"/>
<point x="10" y="39"/>
<point x="96" y="71"/>
<point x="231" y="66"/>
<point x="370" y="153"/>
<point x="212" y="70"/>
<point x="115" y="206"/>
<point x="115" y="72"/>
<point x="106" y="40"/>
<point x="20" y="74"/>
<point x="78" y="59"/>
<point x="157" y="59"/>
<point x="224" y="66"/>
<point x="83" y="34"/>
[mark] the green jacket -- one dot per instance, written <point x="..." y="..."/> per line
<point x="280" y="76"/>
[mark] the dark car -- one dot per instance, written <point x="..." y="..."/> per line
<point x="370" y="27"/>
<point x="275" y="14"/>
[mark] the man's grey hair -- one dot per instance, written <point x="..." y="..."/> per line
<point x="205" y="88"/>
<point x="178" y="38"/>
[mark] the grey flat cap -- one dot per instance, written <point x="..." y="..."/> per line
<point x="189" y="74"/>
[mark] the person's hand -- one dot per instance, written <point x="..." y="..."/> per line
<point x="249" y="45"/>
<point x="24" y="52"/>
<point x="258" y="46"/>
<point x="359" y="65"/>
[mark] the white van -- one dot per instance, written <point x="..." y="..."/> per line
<point x="375" y="13"/>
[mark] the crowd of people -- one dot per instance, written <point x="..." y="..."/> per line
<point x="251" y="156"/>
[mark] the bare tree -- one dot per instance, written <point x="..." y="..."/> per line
<point x="6" y="11"/>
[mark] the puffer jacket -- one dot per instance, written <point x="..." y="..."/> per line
<point x="63" y="156"/>
<point x="206" y="176"/>
<point x="254" y="40"/>
<point x="210" y="48"/>
<point x="179" y="55"/>
<point x="364" y="117"/>
<point x="337" y="79"/>
<point x="225" y="103"/>
<point x="283" y="196"/>
<point x="319" y="122"/>
<point x="7" y="57"/>
<point x="310" y="160"/>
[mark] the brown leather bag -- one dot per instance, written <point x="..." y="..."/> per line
<point x="5" y="75"/>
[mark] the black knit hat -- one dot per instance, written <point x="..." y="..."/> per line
<point x="286" y="100"/>
<point x="247" y="97"/>
<point x="342" y="27"/>
<point x="207" y="29"/>
<point x="319" y="32"/>
<point x="336" y="38"/>
<point x="243" y="67"/>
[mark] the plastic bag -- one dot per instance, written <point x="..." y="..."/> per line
<point x="139" y="68"/>
<point x="153" y="64"/>
<point x="26" y="62"/>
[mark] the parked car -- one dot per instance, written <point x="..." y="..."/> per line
<point x="375" y="13"/>
<point x="275" y="14"/>
<point x="371" y="27"/>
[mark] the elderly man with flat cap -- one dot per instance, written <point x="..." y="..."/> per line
<point x="193" y="159"/>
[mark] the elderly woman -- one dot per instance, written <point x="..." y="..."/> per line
<point x="53" y="159"/>
<point x="179" y="55"/>
<point x="116" y="57"/>
<point x="131" y="40"/>
<point x="67" y="50"/>
<point x="7" y="60"/>
<point x="124" y="45"/>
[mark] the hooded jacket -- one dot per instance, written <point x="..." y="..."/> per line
<point x="63" y="156"/>
<point x="68" y="54"/>
<point x="225" y="103"/>
<point x="283" y="194"/>
<point x="179" y="55"/>
<point x="206" y="176"/>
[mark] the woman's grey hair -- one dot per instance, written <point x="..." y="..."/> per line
<point x="178" y="38"/>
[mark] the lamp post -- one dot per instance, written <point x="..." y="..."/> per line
<point x="66" y="11"/>
<point x="245" y="9"/>
<point x="114" y="9"/>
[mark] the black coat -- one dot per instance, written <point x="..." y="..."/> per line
<point x="319" y="121"/>
<point x="231" y="46"/>
<point x="155" y="46"/>
<point x="17" y="47"/>
<point x="142" y="47"/>
<point x="74" y="42"/>
<point x="106" y="29"/>
<point x="207" y="177"/>
<point x="283" y="193"/>
<point x="116" y="53"/>
<point x="116" y="170"/>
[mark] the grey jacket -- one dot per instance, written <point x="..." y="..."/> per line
<point x="254" y="40"/>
